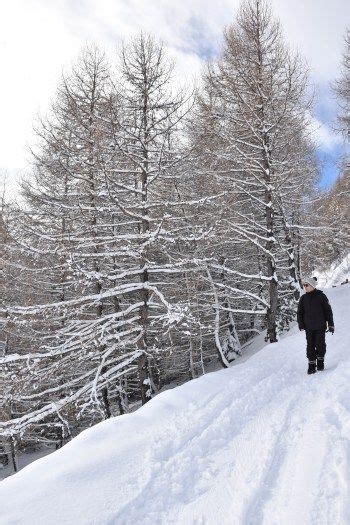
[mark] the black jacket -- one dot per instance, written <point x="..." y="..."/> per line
<point x="314" y="311"/>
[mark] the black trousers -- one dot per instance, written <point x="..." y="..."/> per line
<point x="316" y="344"/>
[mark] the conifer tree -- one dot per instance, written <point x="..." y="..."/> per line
<point x="256" y="106"/>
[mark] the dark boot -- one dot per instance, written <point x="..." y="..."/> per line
<point x="320" y="363"/>
<point x="312" y="367"/>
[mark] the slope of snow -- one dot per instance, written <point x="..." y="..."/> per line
<point x="259" y="443"/>
<point x="337" y="273"/>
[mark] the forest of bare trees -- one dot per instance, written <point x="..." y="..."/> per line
<point x="160" y="229"/>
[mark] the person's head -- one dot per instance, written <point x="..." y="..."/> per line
<point x="309" y="284"/>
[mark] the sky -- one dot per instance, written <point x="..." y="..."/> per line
<point x="39" y="39"/>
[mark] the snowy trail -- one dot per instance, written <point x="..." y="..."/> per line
<point x="259" y="443"/>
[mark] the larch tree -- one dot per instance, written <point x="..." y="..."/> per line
<point x="64" y="230"/>
<point x="149" y="141"/>
<point x="100" y="230"/>
<point x="255" y="98"/>
<point x="330" y="240"/>
<point x="342" y="90"/>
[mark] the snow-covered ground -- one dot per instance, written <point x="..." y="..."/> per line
<point x="259" y="443"/>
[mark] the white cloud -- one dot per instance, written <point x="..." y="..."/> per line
<point x="35" y="45"/>
<point x="317" y="29"/>
<point x="324" y="136"/>
<point x="38" y="38"/>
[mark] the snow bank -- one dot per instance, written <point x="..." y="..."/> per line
<point x="261" y="442"/>
<point x="337" y="273"/>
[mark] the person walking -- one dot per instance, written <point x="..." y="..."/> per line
<point x="314" y="313"/>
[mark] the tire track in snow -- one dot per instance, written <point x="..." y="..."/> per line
<point x="332" y="504"/>
<point x="311" y="489"/>
<point x="343" y="412"/>
<point x="188" y="463"/>
<point x="254" y="511"/>
<point x="327" y="505"/>
<point x="337" y="488"/>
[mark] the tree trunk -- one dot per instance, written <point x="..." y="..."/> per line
<point x="13" y="454"/>
<point x="271" y="317"/>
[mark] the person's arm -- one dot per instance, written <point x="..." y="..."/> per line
<point x="328" y="313"/>
<point x="300" y="313"/>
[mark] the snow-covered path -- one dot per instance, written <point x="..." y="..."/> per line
<point x="259" y="443"/>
